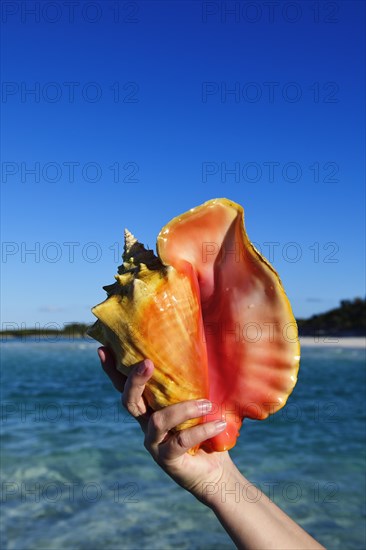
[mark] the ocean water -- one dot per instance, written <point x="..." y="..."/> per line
<point x="75" y="473"/>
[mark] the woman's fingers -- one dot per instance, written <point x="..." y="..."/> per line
<point x="166" y="445"/>
<point x="109" y="366"/>
<point x="161" y="422"/>
<point x="158" y="425"/>
<point x="184" y="440"/>
<point x="134" y="388"/>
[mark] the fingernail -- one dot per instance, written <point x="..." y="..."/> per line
<point x="101" y="354"/>
<point x="204" y="406"/>
<point x="220" y="425"/>
<point x="141" y="369"/>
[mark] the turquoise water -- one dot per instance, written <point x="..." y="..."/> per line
<point x="75" y="473"/>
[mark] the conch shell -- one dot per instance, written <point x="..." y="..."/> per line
<point x="210" y="312"/>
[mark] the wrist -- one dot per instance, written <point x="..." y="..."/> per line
<point x="217" y="491"/>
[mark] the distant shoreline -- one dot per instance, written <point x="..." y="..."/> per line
<point x="333" y="341"/>
<point x="317" y="341"/>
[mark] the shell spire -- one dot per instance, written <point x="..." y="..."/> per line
<point x="130" y="240"/>
<point x="135" y="254"/>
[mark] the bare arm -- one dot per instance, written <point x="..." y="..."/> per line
<point x="253" y="521"/>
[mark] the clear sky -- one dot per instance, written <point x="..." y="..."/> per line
<point x="125" y="114"/>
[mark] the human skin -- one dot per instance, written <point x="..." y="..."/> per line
<point x="252" y="521"/>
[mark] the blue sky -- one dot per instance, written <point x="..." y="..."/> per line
<point x="139" y="114"/>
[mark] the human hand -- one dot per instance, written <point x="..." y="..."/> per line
<point x="195" y="473"/>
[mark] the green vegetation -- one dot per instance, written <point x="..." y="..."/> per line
<point x="349" y="319"/>
<point x="69" y="331"/>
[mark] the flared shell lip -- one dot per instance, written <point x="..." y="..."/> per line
<point x="224" y="202"/>
<point x="210" y="204"/>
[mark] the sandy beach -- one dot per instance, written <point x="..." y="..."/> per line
<point x="334" y="341"/>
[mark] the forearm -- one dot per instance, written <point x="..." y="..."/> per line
<point x="251" y="519"/>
